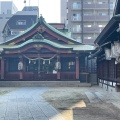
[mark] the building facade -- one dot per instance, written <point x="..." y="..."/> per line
<point x="108" y="53"/>
<point x="7" y="9"/>
<point x="86" y="18"/>
<point x="43" y="53"/>
<point x="19" y="22"/>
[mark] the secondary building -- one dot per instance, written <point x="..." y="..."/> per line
<point x="108" y="52"/>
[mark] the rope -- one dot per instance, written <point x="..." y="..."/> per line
<point x="40" y="58"/>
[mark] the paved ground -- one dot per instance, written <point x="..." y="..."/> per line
<point x="25" y="104"/>
<point x="80" y="103"/>
<point x="42" y="103"/>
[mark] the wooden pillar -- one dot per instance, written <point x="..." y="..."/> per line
<point x="77" y="68"/>
<point x="58" y="71"/>
<point x="21" y="71"/>
<point x="58" y="74"/>
<point x="2" y="68"/>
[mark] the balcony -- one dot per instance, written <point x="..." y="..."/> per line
<point x="91" y="29"/>
<point x="88" y="41"/>
<point x="88" y="6"/>
<point x="95" y="6"/>
<point x="96" y="18"/>
<point x="76" y="31"/>
<point x="102" y="18"/>
<point x="89" y="18"/>
<point x="76" y="7"/>
<point x="75" y="19"/>
<point x="102" y="6"/>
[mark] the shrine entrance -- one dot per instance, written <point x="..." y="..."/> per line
<point x="42" y="68"/>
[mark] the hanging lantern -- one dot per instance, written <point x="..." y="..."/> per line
<point x="58" y="65"/>
<point x="29" y="61"/>
<point x="44" y="62"/>
<point x="20" y="65"/>
<point x="49" y="61"/>
<point x="34" y="62"/>
<point x="108" y="54"/>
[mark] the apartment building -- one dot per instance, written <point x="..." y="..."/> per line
<point x="19" y="22"/>
<point x="86" y="18"/>
<point x="7" y="9"/>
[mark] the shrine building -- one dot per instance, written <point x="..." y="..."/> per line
<point x="43" y="53"/>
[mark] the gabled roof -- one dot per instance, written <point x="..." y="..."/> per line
<point x="117" y="8"/>
<point x="31" y="41"/>
<point x="36" y="27"/>
<point x="29" y="20"/>
<point x="39" y="42"/>
<point x="109" y="31"/>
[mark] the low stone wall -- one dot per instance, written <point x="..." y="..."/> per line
<point x="108" y="86"/>
<point x="43" y="84"/>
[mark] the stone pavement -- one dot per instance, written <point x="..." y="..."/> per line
<point x="26" y="104"/>
<point x="104" y="105"/>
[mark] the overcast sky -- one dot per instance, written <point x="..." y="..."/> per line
<point x="50" y="9"/>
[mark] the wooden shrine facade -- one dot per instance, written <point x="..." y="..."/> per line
<point x="107" y="52"/>
<point x="43" y="53"/>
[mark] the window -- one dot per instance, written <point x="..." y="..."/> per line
<point x="102" y="14"/>
<point x="87" y="14"/>
<point x="16" y="32"/>
<point x="112" y="5"/>
<point x="101" y="2"/>
<point x="76" y="16"/>
<point x="88" y="2"/>
<point x="101" y="25"/>
<point x="21" y="22"/>
<point x="76" y="28"/>
<point x="87" y="37"/>
<point x="8" y="11"/>
<point x="76" y="5"/>
<point x="78" y="39"/>
<point x="87" y="25"/>
<point x="7" y="18"/>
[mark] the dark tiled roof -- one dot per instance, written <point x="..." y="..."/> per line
<point x="30" y="8"/>
<point x="78" y="47"/>
<point x="30" y="20"/>
<point x="117" y="8"/>
<point x="41" y="21"/>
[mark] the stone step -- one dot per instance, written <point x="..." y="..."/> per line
<point x="43" y="84"/>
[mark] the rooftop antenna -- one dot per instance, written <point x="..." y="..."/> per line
<point x="25" y="2"/>
<point x="38" y="8"/>
<point x="29" y="2"/>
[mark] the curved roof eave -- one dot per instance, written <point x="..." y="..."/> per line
<point x="59" y="33"/>
<point x="44" y="41"/>
<point x="40" y="21"/>
<point x="109" y="27"/>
